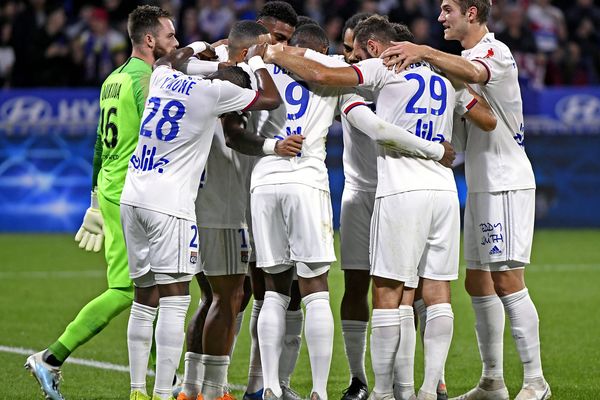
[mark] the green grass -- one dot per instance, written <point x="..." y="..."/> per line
<point x="38" y="299"/>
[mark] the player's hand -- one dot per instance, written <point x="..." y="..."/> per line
<point x="91" y="233"/>
<point x="256" y="50"/>
<point x="271" y="51"/>
<point x="290" y="146"/>
<point x="401" y="54"/>
<point x="209" y="54"/>
<point x="449" y="155"/>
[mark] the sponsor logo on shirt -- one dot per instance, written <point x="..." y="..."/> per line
<point x="147" y="161"/>
<point x="193" y="257"/>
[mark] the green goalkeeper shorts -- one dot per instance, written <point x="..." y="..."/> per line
<point x="115" y="250"/>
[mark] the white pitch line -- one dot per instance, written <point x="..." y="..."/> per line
<point x="90" y="273"/>
<point x="90" y="363"/>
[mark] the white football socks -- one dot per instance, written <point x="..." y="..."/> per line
<point x="255" y="381"/>
<point x="139" y="341"/>
<point x="489" y="326"/>
<point x="404" y="366"/>
<point x="291" y="345"/>
<point x="215" y="376"/>
<point x="436" y="343"/>
<point x="192" y="375"/>
<point x="421" y="310"/>
<point x="355" y="343"/>
<point x="385" y="337"/>
<point x="271" y="329"/>
<point x="169" y="341"/>
<point x="524" y="324"/>
<point x="319" y="339"/>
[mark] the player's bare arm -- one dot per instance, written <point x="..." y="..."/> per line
<point x="268" y="95"/>
<point x="402" y="54"/>
<point x="243" y="141"/>
<point x="176" y="58"/>
<point x="310" y="70"/>
<point x="481" y="113"/>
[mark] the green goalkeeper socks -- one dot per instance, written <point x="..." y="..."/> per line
<point x="91" y="319"/>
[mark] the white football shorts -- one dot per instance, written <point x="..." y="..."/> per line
<point x="499" y="229"/>
<point x="292" y="222"/>
<point x="355" y="228"/>
<point x="416" y="233"/>
<point x="159" y="242"/>
<point x="224" y="251"/>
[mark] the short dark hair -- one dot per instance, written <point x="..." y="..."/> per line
<point x="304" y="20"/>
<point x="375" y="27"/>
<point x="145" y="19"/>
<point x="280" y="10"/>
<point x="354" y="20"/>
<point x="310" y="36"/>
<point x="484" y="8"/>
<point x="403" y="33"/>
<point x="244" y="33"/>
<point x="233" y="74"/>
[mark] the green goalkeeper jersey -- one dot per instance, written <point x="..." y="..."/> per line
<point x="122" y="100"/>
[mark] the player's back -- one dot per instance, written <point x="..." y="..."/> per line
<point x="496" y="161"/>
<point x="309" y="111"/>
<point x="174" y="139"/>
<point x="122" y="100"/>
<point x="421" y="101"/>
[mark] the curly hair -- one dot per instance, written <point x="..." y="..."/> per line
<point x="280" y="10"/>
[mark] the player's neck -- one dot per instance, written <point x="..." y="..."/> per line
<point x="474" y="36"/>
<point x="147" y="58"/>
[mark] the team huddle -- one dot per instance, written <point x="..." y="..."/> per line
<point x="210" y="163"/>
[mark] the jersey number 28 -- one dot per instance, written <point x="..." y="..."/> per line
<point x="172" y="112"/>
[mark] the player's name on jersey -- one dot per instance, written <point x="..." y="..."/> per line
<point x="278" y="70"/>
<point x="111" y="91"/>
<point x="178" y="83"/>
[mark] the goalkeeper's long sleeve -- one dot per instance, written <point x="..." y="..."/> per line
<point x="97" y="163"/>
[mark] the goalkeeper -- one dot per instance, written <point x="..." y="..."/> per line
<point x="122" y="101"/>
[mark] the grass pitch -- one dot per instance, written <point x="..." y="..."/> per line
<point x="46" y="279"/>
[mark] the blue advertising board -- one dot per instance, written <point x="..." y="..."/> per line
<point x="47" y="141"/>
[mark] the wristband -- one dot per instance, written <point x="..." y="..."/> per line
<point x="268" y="147"/>
<point x="198" y="47"/>
<point x="94" y="200"/>
<point x="256" y="63"/>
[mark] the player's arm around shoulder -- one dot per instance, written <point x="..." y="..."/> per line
<point x="308" y="69"/>
<point x="268" y="97"/>
<point x="402" y="54"/>
<point x="475" y="108"/>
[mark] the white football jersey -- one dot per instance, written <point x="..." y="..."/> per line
<point x="223" y="193"/>
<point x="175" y="136"/>
<point x="360" y="151"/>
<point x="309" y="111"/>
<point x="421" y="101"/>
<point x="496" y="161"/>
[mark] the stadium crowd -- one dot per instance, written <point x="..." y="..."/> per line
<point x="80" y="42"/>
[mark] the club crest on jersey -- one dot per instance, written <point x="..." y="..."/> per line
<point x="244" y="256"/>
<point x="147" y="162"/>
<point x="490" y="53"/>
<point x="193" y="257"/>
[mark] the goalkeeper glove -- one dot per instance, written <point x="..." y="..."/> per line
<point x="91" y="234"/>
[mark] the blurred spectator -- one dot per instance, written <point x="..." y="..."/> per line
<point x="548" y="25"/>
<point x="312" y="9"/>
<point x="100" y="49"/>
<point x="520" y="40"/>
<point x="409" y="10"/>
<point x="244" y="9"/>
<point x="582" y="9"/>
<point x="7" y="53"/>
<point x="52" y="50"/>
<point x="421" y="29"/>
<point x="26" y="25"/>
<point x="188" y="29"/>
<point x="587" y="37"/>
<point x="215" y="20"/>
<point x="333" y="28"/>
<point x="566" y="67"/>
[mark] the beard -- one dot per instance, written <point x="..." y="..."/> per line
<point x="159" y="52"/>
